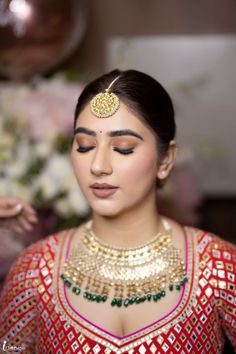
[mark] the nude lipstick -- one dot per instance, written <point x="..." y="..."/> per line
<point x="103" y="190"/>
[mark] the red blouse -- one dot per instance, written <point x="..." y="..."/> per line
<point x="37" y="318"/>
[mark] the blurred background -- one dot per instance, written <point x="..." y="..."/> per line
<point x="49" y="49"/>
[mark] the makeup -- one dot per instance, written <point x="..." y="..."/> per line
<point x="103" y="190"/>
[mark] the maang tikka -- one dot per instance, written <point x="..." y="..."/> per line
<point x="105" y="104"/>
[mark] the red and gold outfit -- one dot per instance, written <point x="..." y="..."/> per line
<point x="37" y="317"/>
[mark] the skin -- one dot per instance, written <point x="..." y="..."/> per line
<point x="129" y="218"/>
<point x="131" y="212"/>
<point x="16" y="215"/>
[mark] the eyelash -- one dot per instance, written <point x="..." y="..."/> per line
<point x="83" y="149"/>
<point x="124" y="151"/>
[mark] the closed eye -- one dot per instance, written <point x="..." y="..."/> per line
<point x="124" y="151"/>
<point x="85" y="148"/>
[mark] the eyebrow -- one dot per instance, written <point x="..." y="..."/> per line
<point x="84" y="131"/>
<point x="123" y="132"/>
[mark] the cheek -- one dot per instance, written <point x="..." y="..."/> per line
<point x="144" y="166"/>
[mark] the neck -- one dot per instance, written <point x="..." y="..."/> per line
<point x="130" y="230"/>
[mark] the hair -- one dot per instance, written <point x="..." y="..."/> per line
<point x="143" y="95"/>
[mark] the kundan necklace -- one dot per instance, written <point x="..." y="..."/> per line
<point x="132" y="276"/>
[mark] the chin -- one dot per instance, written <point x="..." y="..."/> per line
<point x="105" y="210"/>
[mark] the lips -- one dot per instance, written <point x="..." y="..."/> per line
<point x="103" y="190"/>
<point x="102" y="186"/>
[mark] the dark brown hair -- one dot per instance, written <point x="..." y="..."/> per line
<point x="143" y="95"/>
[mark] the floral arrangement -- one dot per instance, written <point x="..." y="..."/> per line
<point x="35" y="135"/>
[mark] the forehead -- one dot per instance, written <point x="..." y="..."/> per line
<point x="122" y="119"/>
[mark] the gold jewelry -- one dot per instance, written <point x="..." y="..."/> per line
<point x="132" y="275"/>
<point x="105" y="104"/>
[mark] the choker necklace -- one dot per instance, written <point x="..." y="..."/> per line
<point x="130" y="276"/>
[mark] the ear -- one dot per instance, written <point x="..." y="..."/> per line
<point x="167" y="162"/>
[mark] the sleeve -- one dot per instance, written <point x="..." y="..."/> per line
<point x="224" y="282"/>
<point x="18" y="304"/>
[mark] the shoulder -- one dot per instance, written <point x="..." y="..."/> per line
<point x="207" y="239"/>
<point x="38" y="254"/>
<point x="212" y="246"/>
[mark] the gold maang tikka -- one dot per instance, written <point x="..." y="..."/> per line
<point x="105" y="104"/>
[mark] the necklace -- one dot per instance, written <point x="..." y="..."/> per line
<point x="131" y="276"/>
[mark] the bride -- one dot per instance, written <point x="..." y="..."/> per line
<point x="129" y="280"/>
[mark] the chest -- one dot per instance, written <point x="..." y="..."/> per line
<point x="101" y="324"/>
<point x="124" y="320"/>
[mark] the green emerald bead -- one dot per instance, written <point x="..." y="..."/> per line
<point x="116" y="302"/>
<point x="143" y="298"/>
<point x="67" y="283"/>
<point x="132" y="301"/>
<point x="104" y="298"/>
<point x="98" y="298"/>
<point x="155" y="297"/>
<point x="126" y="302"/>
<point x="149" y="297"/>
<point x="87" y="295"/>
<point x="63" y="276"/>
<point x="119" y="302"/>
<point x="163" y="293"/>
<point x="178" y="287"/>
<point x="171" y="287"/>
<point x="181" y="283"/>
<point x="76" y="290"/>
<point x="93" y="297"/>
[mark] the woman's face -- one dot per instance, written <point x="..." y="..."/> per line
<point x="115" y="161"/>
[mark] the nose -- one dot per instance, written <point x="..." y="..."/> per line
<point x="101" y="163"/>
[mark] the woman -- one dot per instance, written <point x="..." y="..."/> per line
<point x="129" y="280"/>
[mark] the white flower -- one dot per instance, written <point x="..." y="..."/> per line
<point x="57" y="176"/>
<point x="6" y="145"/>
<point x="17" y="189"/>
<point x="75" y="203"/>
<point x="47" y="108"/>
<point x="78" y="202"/>
<point x="45" y="182"/>
<point x="37" y="115"/>
<point x="4" y="183"/>
<point x="43" y="149"/>
<point x="15" y="169"/>
<point x="6" y="141"/>
<point x="63" y="207"/>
